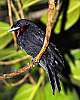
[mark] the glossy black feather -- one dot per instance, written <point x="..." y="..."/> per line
<point x="30" y="38"/>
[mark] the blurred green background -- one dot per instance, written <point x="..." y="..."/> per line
<point x="34" y="84"/>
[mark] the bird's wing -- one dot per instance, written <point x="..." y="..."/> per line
<point x="36" y="35"/>
<point x="34" y="40"/>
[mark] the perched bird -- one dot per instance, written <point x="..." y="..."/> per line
<point x="30" y="38"/>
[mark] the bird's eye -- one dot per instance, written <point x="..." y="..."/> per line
<point x="21" y="30"/>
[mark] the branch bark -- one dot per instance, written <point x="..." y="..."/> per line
<point x="11" y="20"/>
<point x="14" y="61"/>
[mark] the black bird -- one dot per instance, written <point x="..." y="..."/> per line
<point x="30" y="38"/>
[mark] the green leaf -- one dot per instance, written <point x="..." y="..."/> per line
<point x="75" y="68"/>
<point x="3" y="25"/>
<point x="73" y="14"/>
<point x="59" y="96"/>
<point x="40" y="94"/>
<point x="44" y="18"/>
<point x="6" y="53"/>
<point x="9" y="53"/>
<point x="76" y="71"/>
<point x="5" y="37"/>
<point x="5" y="40"/>
<point x="28" y="91"/>
<point x="3" y="29"/>
<point x="2" y="2"/>
<point x="24" y="92"/>
<point x="76" y="53"/>
<point x="29" y="3"/>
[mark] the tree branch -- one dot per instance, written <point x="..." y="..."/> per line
<point x="20" y="8"/>
<point x="15" y="11"/>
<point x="14" y="61"/>
<point x="11" y="20"/>
<point x="18" y="72"/>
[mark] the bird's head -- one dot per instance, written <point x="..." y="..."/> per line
<point x="20" y="26"/>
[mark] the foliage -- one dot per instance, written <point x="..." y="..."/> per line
<point x="40" y="90"/>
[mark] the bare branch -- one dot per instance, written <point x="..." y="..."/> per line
<point x="14" y="61"/>
<point x="15" y="11"/>
<point x="11" y="20"/>
<point x="32" y="80"/>
<point x="10" y="12"/>
<point x="20" y="8"/>
<point x="20" y="81"/>
<point x="18" y="72"/>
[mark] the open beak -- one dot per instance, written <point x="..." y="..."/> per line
<point x="13" y="29"/>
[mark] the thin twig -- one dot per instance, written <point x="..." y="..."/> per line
<point x="10" y="12"/>
<point x="32" y="80"/>
<point x="58" y="6"/>
<point x="16" y="83"/>
<point x="11" y="20"/>
<point x="36" y="87"/>
<point x="14" y="61"/>
<point x="15" y="11"/>
<point x="18" y="72"/>
<point x="20" y="9"/>
<point x="6" y="83"/>
<point x="20" y="81"/>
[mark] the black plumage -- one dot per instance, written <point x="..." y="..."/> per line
<point x="30" y="38"/>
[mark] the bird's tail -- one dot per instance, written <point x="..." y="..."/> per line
<point x="53" y="78"/>
<point x="55" y="65"/>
